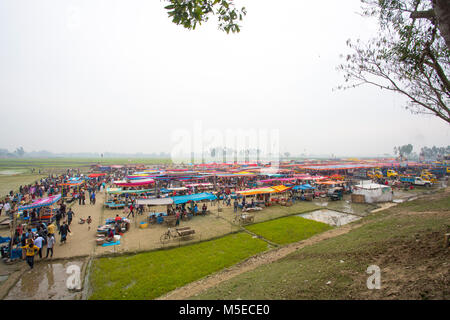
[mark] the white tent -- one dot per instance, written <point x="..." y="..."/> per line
<point x="373" y="192"/>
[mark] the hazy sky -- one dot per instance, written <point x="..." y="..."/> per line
<point x="119" y="76"/>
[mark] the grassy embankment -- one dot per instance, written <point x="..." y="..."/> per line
<point x="405" y="241"/>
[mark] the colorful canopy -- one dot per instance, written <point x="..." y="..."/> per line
<point x="140" y="182"/>
<point x="280" y="179"/>
<point x="330" y="182"/>
<point x="43" y="202"/>
<point x="120" y="191"/>
<point x="72" y="183"/>
<point x="199" y="185"/>
<point x="95" y="175"/>
<point x="194" y="197"/>
<point x="303" y="187"/>
<point x="275" y="189"/>
<point x="155" y="202"/>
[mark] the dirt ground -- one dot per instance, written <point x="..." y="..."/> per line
<point x="413" y="269"/>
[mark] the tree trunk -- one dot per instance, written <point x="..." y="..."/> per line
<point x="442" y="12"/>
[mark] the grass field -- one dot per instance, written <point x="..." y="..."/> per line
<point x="13" y="182"/>
<point x="152" y="274"/>
<point x="404" y="241"/>
<point x="288" y="230"/>
<point x="17" y="172"/>
<point x="75" y="162"/>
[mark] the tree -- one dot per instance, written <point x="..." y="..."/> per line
<point x="409" y="56"/>
<point x="189" y="13"/>
<point x="20" y="152"/>
<point x="405" y="150"/>
<point x="439" y="15"/>
<point x="434" y="152"/>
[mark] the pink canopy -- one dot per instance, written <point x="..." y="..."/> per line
<point x="199" y="185"/>
<point x="42" y="202"/>
<point x="311" y="178"/>
<point x="279" y="179"/>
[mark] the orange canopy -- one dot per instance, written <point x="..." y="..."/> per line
<point x="274" y="189"/>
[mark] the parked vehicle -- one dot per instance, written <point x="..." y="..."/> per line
<point x="391" y="174"/>
<point x="418" y="181"/>
<point x="335" y="193"/>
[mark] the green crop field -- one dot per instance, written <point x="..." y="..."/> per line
<point x="17" y="172"/>
<point x="152" y="274"/>
<point x="288" y="230"/>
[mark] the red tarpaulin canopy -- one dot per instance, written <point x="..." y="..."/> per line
<point x="95" y="175"/>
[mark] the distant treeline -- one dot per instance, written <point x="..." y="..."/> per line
<point x="21" y="153"/>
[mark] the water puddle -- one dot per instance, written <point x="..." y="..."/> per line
<point x="46" y="281"/>
<point x="10" y="172"/>
<point x="330" y="217"/>
<point x="321" y="204"/>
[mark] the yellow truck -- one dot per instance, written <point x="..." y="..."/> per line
<point x="375" y="174"/>
<point x="378" y="174"/>
<point x="429" y="177"/>
<point x="391" y="173"/>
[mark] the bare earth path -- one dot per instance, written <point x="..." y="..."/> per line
<point x="201" y="285"/>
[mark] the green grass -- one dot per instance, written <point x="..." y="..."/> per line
<point x="422" y="205"/>
<point x="152" y="274"/>
<point x="75" y="162"/>
<point x="288" y="230"/>
<point x="13" y="182"/>
<point x="342" y="260"/>
<point x="23" y="167"/>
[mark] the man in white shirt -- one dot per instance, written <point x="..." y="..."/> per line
<point x="7" y="207"/>
<point x="38" y="243"/>
<point x="50" y="244"/>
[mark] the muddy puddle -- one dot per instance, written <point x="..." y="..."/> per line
<point x="330" y="217"/>
<point x="46" y="281"/>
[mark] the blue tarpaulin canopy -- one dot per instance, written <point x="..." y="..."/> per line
<point x="194" y="197"/>
<point x="303" y="187"/>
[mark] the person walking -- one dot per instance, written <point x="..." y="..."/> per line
<point x="131" y="210"/>
<point x="63" y="232"/>
<point x="51" y="229"/>
<point x="89" y="220"/>
<point x="38" y="242"/>
<point x="30" y="249"/>
<point x="50" y="244"/>
<point x="178" y="219"/>
<point x="93" y="197"/>
<point x="58" y="217"/>
<point x="235" y="205"/>
<point x="70" y="215"/>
